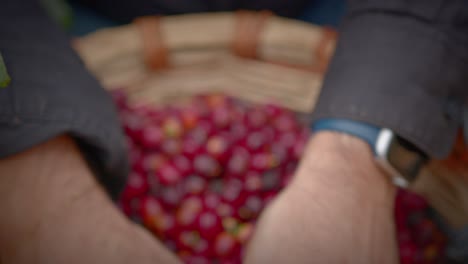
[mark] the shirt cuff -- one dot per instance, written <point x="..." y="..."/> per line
<point x="397" y="72"/>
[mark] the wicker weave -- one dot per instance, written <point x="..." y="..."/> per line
<point x="253" y="56"/>
<point x="201" y="55"/>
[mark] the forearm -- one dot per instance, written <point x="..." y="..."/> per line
<point x="53" y="211"/>
<point x="338" y="209"/>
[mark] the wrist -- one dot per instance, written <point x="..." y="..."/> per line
<point x="338" y="177"/>
<point x="337" y="160"/>
<point x="339" y="204"/>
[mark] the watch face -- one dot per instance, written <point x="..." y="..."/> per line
<point x="405" y="160"/>
<point x="398" y="157"/>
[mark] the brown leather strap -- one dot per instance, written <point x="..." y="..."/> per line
<point x="155" y="51"/>
<point x="323" y="53"/>
<point x="326" y="47"/>
<point x="248" y="28"/>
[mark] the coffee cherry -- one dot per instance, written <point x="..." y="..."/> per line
<point x="404" y="236"/>
<point x="238" y="162"/>
<point x="136" y="185"/>
<point x="151" y="209"/>
<point x="216" y="185"/>
<point x="171" y="196"/>
<point x="255" y="141"/>
<point x="288" y="140"/>
<point x="226" y="245"/>
<point x="120" y="99"/>
<point x="135" y="153"/>
<point x="260" y="162"/>
<point x="172" y="127"/>
<point x="408" y="253"/>
<point x="183" y="164"/>
<point x="209" y="224"/>
<point x="150" y="162"/>
<point x="188" y="212"/>
<point x="207" y="166"/>
<point x="168" y="174"/>
<point x="221" y="117"/>
<point x="413" y="201"/>
<point x="133" y="123"/>
<point x="164" y="225"/>
<point x="232" y="191"/>
<point x="269" y="134"/>
<point x="278" y="155"/>
<point x="285" y="122"/>
<point x="171" y="147"/>
<point x="271" y="180"/>
<point x="211" y="201"/>
<point x="191" y="147"/>
<point x="225" y="210"/>
<point x="256" y="118"/>
<point x="194" y="185"/>
<point x="215" y="100"/>
<point x="189" y="118"/>
<point x="203" y="249"/>
<point x="205" y="127"/>
<point x="244" y="232"/>
<point x="253" y="181"/>
<point x="188" y="240"/>
<point x="424" y="232"/>
<point x="217" y="147"/>
<point x="152" y="137"/>
<point x="251" y="208"/>
<point x="273" y="111"/>
<point x="238" y="131"/>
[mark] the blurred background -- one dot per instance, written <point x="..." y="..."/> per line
<point x="84" y="16"/>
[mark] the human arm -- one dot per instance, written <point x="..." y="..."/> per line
<point x="338" y="209"/>
<point x="56" y="189"/>
<point x="399" y="65"/>
<point x="54" y="211"/>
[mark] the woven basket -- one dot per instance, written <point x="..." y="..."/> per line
<point x="250" y="55"/>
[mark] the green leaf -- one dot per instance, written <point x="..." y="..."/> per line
<point x="60" y="11"/>
<point x="4" y="77"/>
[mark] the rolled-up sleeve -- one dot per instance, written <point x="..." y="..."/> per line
<point x="51" y="93"/>
<point x="402" y="65"/>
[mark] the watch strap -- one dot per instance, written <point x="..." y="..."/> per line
<point x="365" y="131"/>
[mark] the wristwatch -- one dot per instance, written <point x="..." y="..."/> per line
<point x="396" y="156"/>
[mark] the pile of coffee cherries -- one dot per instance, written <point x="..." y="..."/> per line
<point x="420" y="240"/>
<point x="203" y="171"/>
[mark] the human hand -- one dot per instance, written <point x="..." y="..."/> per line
<point x="54" y="211"/>
<point x="337" y="209"/>
<point x="445" y="185"/>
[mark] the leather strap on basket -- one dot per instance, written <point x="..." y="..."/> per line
<point x="155" y="52"/>
<point x="322" y="53"/>
<point x="248" y="28"/>
<point x="325" y="48"/>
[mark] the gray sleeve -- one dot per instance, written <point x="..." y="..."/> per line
<point x="402" y="65"/>
<point x="51" y="93"/>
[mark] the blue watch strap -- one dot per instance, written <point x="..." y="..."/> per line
<point x="365" y="131"/>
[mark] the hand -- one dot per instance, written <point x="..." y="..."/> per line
<point x="337" y="209"/>
<point x="445" y="185"/>
<point x="53" y="211"/>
